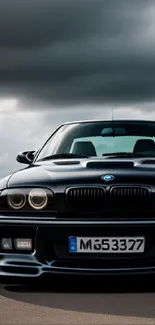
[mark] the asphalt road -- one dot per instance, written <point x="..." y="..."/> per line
<point x="102" y="301"/>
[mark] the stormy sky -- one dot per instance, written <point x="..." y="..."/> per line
<point x="63" y="60"/>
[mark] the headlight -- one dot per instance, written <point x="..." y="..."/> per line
<point x="38" y="199"/>
<point x="28" y="200"/>
<point x="16" y="199"/>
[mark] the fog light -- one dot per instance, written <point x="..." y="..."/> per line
<point x="6" y="243"/>
<point x="23" y="243"/>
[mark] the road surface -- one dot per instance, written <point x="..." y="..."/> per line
<point x="121" y="301"/>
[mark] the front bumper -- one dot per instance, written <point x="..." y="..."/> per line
<point x="50" y="248"/>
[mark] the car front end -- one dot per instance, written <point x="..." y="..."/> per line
<point x="83" y="216"/>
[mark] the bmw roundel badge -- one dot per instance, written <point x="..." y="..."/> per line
<point x="107" y="178"/>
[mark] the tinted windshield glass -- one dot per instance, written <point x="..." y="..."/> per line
<point x="98" y="138"/>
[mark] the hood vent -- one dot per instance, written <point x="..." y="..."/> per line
<point x="148" y="162"/>
<point x="66" y="163"/>
<point x="110" y="164"/>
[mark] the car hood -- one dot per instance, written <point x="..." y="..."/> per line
<point x="84" y="171"/>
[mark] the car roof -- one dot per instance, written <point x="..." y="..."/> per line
<point x="109" y="120"/>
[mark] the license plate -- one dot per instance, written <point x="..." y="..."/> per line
<point x="106" y="244"/>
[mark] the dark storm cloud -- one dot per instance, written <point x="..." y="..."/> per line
<point x="77" y="51"/>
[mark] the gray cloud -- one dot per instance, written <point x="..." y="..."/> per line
<point x="69" y="52"/>
<point x="90" y="54"/>
<point x="28" y="130"/>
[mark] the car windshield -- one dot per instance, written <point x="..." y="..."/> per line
<point x="100" y="138"/>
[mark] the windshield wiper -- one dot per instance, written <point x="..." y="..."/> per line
<point x="127" y="154"/>
<point x="110" y="154"/>
<point x="64" y="155"/>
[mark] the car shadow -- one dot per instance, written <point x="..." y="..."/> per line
<point x="132" y="297"/>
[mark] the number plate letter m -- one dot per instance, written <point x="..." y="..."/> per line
<point x="85" y="244"/>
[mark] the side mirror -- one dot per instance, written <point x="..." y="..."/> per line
<point x="25" y="157"/>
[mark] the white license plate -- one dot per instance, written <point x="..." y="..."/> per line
<point x="106" y="244"/>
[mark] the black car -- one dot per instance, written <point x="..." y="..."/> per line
<point x="85" y="204"/>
